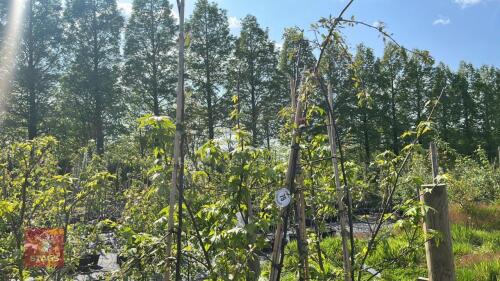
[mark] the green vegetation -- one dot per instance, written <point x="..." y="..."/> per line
<point x="476" y="250"/>
<point x="127" y="195"/>
<point x="87" y="136"/>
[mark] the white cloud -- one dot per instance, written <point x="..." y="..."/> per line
<point x="278" y="45"/>
<point x="234" y="23"/>
<point x="441" y="20"/>
<point x="467" y="3"/>
<point x="125" y="8"/>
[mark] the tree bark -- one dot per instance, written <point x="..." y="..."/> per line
<point x="366" y="139"/>
<point x="253" y="261"/>
<point x="32" y="102"/>
<point x="395" y="145"/>
<point x="156" y="96"/>
<point x="253" y="100"/>
<point x="210" y="111"/>
<point x="178" y="157"/>
<point x="98" y="110"/>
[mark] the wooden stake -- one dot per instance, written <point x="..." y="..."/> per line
<point x="438" y="250"/>
<point x="316" y="225"/>
<point x="178" y="158"/>
<point x="276" y="257"/>
<point x="301" y="227"/>
<point x="434" y="162"/>
<point x="344" y="233"/>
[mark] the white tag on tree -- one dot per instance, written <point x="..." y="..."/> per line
<point x="282" y="197"/>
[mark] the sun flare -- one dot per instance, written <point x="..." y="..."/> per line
<point x="10" y="47"/>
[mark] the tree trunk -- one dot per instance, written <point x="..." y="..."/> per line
<point x="156" y="102"/>
<point x="98" y="110"/>
<point x="253" y="100"/>
<point x="178" y="157"/>
<point x="156" y="96"/>
<point x="208" y="85"/>
<point x="366" y="139"/>
<point x="419" y="101"/>
<point x="210" y="113"/>
<point x="32" y="103"/>
<point x="395" y="146"/>
<point x="178" y="263"/>
<point x="253" y="260"/>
<point x="268" y="135"/>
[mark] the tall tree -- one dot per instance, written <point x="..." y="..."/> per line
<point x="295" y="54"/>
<point x="38" y="64"/>
<point x="257" y="63"/>
<point x="177" y="188"/>
<point x="445" y="117"/>
<point x="275" y="99"/>
<point x="207" y="56"/>
<point x="466" y="87"/>
<point x="366" y="68"/>
<point x="488" y="105"/>
<point x="92" y="31"/>
<point x="392" y="66"/>
<point x="150" y="56"/>
<point x="416" y="85"/>
<point x="337" y="69"/>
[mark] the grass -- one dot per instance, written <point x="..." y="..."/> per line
<point x="483" y="271"/>
<point x="481" y="216"/>
<point x="476" y="247"/>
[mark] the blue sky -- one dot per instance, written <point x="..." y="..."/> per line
<point x="452" y="30"/>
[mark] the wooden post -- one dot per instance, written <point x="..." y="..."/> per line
<point x="301" y="227"/>
<point x="315" y="222"/>
<point x="434" y="162"/>
<point x="438" y="250"/>
<point x="342" y="214"/>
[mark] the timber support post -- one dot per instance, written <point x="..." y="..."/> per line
<point x="438" y="249"/>
<point x="277" y="255"/>
<point x="342" y="214"/>
<point x="300" y="216"/>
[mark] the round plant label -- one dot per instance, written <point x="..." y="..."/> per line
<point x="282" y="197"/>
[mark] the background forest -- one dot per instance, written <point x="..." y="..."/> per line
<point x="87" y="135"/>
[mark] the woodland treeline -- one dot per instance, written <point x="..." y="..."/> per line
<point x="85" y="72"/>
<point x="89" y="126"/>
